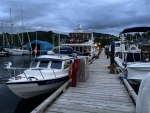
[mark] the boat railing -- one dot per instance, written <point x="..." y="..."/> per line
<point x="39" y="69"/>
<point x="14" y="71"/>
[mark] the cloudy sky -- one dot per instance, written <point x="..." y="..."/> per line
<point x="105" y="16"/>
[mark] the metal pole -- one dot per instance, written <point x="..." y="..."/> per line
<point x="11" y="28"/>
<point x="36" y="46"/>
<point x="3" y="35"/>
<point x="22" y="23"/>
<point x="59" y="42"/>
<point x="53" y="41"/>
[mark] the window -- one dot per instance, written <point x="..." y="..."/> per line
<point x="43" y="64"/>
<point x="66" y="64"/>
<point x="34" y="63"/>
<point x="56" y="64"/>
<point x="117" y="45"/>
<point x="80" y="49"/>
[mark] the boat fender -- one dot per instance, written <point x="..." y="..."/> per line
<point x="133" y="48"/>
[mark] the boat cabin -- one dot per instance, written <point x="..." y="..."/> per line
<point x="56" y="62"/>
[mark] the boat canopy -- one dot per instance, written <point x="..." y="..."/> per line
<point x="136" y="29"/>
<point x="42" y="46"/>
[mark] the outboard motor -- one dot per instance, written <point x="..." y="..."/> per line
<point x="7" y="65"/>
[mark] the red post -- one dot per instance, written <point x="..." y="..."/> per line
<point x="73" y="76"/>
<point x="74" y="72"/>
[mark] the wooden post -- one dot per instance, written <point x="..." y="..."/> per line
<point x="112" y="61"/>
<point x="112" y="54"/>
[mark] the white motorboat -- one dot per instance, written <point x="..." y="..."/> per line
<point x="46" y="74"/>
<point x="134" y="58"/>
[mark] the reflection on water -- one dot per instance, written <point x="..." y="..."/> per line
<point x="27" y="105"/>
<point x="9" y="102"/>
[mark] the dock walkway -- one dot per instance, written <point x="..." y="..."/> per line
<point x="102" y="93"/>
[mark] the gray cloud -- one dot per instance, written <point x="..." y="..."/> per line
<point x="106" y="16"/>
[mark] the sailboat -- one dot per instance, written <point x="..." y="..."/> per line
<point x="19" y="51"/>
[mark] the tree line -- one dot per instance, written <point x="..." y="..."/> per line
<point x="51" y="37"/>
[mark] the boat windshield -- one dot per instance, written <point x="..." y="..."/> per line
<point x="44" y="64"/>
<point x="34" y="63"/>
<point x="117" y="45"/>
<point x="56" y="64"/>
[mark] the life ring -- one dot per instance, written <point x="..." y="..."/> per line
<point x="133" y="48"/>
<point x="70" y="70"/>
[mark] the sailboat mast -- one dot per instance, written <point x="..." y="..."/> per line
<point x="22" y="23"/>
<point x="3" y="35"/>
<point x="11" y="27"/>
<point x="59" y="42"/>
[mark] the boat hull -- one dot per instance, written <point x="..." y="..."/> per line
<point x="16" y="52"/>
<point x="137" y="71"/>
<point x="35" y="88"/>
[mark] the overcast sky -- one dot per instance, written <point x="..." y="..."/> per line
<point x="104" y="16"/>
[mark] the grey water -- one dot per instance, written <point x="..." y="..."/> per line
<point x="9" y="102"/>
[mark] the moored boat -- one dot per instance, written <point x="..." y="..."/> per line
<point x="81" y="42"/>
<point x="134" y="57"/>
<point x="46" y="74"/>
<point x="3" y="53"/>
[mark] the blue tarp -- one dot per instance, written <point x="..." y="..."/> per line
<point x="42" y="46"/>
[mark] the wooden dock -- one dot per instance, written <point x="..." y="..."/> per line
<point x="102" y="93"/>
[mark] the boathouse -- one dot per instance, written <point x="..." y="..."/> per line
<point x="41" y="47"/>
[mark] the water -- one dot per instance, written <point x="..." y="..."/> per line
<point x="9" y="102"/>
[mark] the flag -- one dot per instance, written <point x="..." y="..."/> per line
<point x="35" y="49"/>
<point x="73" y="39"/>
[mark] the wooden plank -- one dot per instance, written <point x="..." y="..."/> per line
<point x="90" y="108"/>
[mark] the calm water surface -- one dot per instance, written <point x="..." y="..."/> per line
<point x="9" y="102"/>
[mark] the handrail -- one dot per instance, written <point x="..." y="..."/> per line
<point x="16" y="68"/>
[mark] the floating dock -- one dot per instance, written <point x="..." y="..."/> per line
<point x="101" y="93"/>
